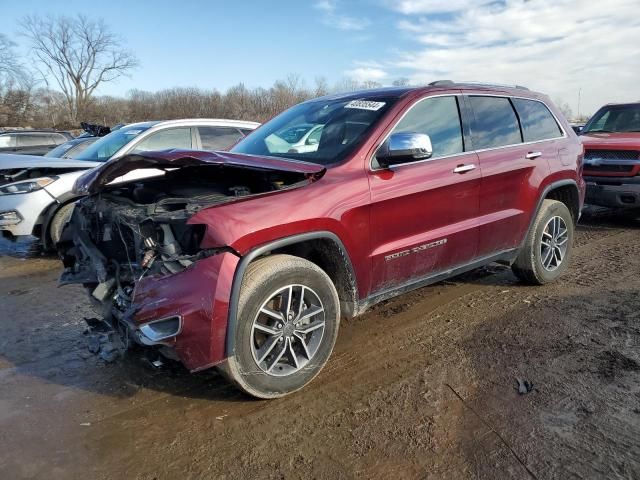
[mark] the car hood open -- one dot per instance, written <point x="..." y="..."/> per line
<point x="93" y="180"/>
<point x="13" y="161"/>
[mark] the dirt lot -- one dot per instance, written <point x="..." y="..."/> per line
<point x="423" y="386"/>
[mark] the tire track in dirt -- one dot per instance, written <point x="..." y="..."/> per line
<point x="380" y="408"/>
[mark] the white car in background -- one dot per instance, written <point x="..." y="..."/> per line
<point x="35" y="192"/>
<point x="302" y="138"/>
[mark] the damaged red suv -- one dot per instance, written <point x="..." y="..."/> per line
<point x="248" y="260"/>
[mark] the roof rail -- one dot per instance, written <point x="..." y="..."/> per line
<point x="441" y="83"/>
<point x="446" y="83"/>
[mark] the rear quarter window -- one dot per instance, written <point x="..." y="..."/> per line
<point x="495" y="123"/>
<point x="537" y="121"/>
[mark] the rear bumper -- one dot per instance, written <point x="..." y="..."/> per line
<point x="616" y="192"/>
<point x="200" y="297"/>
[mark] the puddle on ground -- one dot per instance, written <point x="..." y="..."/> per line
<point x="24" y="247"/>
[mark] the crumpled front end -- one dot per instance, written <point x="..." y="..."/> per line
<point x="137" y="252"/>
<point x="151" y="283"/>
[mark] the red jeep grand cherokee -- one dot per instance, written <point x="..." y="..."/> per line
<point x="248" y="260"/>
<point x="612" y="156"/>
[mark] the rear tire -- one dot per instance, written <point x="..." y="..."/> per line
<point x="547" y="250"/>
<point x="58" y="222"/>
<point x="288" y="319"/>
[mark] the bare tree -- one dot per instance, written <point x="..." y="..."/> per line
<point x="401" y="82"/>
<point x="79" y="54"/>
<point x="11" y="70"/>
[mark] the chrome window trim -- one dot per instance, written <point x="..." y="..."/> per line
<point x="480" y="150"/>
<point x="430" y="159"/>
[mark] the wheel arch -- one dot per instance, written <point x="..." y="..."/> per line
<point x="566" y="192"/>
<point x="322" y="248"/>
<point x="563" y="191"/>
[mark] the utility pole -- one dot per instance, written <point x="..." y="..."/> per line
<point x="579" y="96"/>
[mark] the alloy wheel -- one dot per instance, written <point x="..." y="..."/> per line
<point x="554" y="243"/>
<point x="287" y="331"/>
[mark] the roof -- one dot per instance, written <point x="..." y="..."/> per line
<point x="440" y="85"/>
<point x="217" y="122"/>
<point x="32" y="130"/>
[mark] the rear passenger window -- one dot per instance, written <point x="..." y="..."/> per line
<point x="537" y="121"/>
<point x="218" y="138"/>
<point x="496" y="123"/>
<point x="439" y="118"/>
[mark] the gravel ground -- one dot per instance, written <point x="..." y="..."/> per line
<point x="422" y="386"/>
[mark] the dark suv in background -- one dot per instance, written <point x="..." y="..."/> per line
<point x="611" y="140"/>
<point x="246" y="260"/>
<point x="31" y="142"/>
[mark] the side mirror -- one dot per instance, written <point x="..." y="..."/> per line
<point x="312" y="141"/>
<point x="403" y="148"/>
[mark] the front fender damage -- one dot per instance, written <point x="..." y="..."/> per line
<point x="138" y="250"/>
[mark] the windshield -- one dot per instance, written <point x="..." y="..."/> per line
<point x="60" y="150"/>
<point x="294" y="134"/>
<point x="615" y="119"/>
<point x="103" y="149"/>
<point x="336" y="127"/>
<point x="71" y="149"/>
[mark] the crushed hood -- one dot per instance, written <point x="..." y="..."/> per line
<point x="13" y="161"/>
<point x="93" y="180"/>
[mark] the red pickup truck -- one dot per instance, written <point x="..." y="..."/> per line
<point x="247" y="260"/>
<point x="611" y="140"/>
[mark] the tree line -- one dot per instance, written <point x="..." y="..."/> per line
<point x="47" y="108"/>
<point x="71" y="57"/>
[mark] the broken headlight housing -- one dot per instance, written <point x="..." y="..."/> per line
<point x="26" y="186"/>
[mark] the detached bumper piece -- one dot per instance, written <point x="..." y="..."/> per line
<point x="104" y="340"/>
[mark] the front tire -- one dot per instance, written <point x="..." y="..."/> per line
<point x="58" y="222"/>
<point x="547" y="250"/>
<point x="288" y="319"/>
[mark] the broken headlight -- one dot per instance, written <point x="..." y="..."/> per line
<point x="26" y="186"/>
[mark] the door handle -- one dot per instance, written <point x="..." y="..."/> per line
<point x="464" y="168"/>
<point x="532" y="155"/>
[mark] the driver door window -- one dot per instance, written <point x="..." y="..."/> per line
<point x="438" y="117"/>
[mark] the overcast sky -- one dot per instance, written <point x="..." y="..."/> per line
<point x="559" y="47"/>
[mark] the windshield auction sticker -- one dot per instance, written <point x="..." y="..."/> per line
<point x="365" y="105"/>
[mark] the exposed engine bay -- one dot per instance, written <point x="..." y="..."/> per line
<point x="131" y="231"/>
